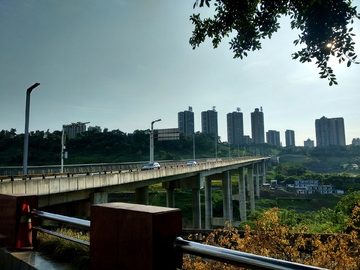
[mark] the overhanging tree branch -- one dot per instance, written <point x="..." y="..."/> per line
<point x="323" y="25"/>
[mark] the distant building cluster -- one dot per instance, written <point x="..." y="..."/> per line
<point x="235" y="127"/>
<point x="312" y="187"/>
<point x="355" y="141"/>
<point x="329" y="131"/>
<point x="96" y="128"/>
<point x="74" y="128"/>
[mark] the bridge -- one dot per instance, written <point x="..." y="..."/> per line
<point x="93" y="188"/>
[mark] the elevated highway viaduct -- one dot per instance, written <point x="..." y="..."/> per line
<point x="94" y="188"/>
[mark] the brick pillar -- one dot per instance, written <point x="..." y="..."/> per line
<point x="134" y="236"/>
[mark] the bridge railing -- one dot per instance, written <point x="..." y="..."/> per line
<point x="75" y="222"/>
<point x="121" y="233"/>
<point x="180" y="245"/>
<point x="83" y="168"/>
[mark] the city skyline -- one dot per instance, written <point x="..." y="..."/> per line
<point x="122" y="64"/>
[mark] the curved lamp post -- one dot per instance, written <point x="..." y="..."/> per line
<point x="152" y="140"/>
<point x="26" y="139"/>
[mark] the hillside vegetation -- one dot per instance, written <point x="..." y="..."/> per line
<point x="117" y="146"/>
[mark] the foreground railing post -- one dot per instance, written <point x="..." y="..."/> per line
<point x="10" y="216"/>
<point x="133" y="236"/>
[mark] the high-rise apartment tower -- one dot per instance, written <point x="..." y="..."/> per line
<point x="186" y="122"/>
<point x="257" y="126"/>
<point x="209" y="121"/>
<point x="273" y="137"/>
<point x="330" y="131"/>
<point x="290" y="138"/>
<point x="235" y="127"/>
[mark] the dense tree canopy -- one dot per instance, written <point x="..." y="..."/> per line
<point x="323" y="25"/>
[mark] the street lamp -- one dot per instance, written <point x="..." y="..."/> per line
<point x="26" y="139"/>
<point x="152" y="140"/>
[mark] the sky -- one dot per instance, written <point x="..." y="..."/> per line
<point x="121" y="64"/>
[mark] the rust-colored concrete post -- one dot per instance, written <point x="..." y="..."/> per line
<point x="10" y="215"/>
<point x="134" y="236"/>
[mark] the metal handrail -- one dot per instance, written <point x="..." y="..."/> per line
<point x="80" y="223"/>
<point x="233" y="257"/>
<point x="237" y="258"/>
<point x="62" y="236"/>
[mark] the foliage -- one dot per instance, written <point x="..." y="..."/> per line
<point x="273" y="239"/>
<point x="61" y="250"/>
<point x="323" y="25"/>
<point x="106" y="147"/>
<point x="348" y="202"/>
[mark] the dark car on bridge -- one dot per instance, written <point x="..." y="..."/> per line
<point x="151" y="166"/>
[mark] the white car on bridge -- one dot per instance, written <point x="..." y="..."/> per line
<point x="151" y="166"/>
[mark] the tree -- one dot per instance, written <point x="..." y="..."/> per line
<point x="323" y="25"/>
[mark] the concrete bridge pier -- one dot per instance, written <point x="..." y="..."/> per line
<point x="242" y="193"/>
<point x="196" y="205"/>
<point x="251" y="187"/>
<point x="195" y="183"/>
<point x="227" y="200"/>
<point x="170" y="195"/>
<point x="208" y="203"/>
<point x="264" y="172"/>
<point x="142" y="195"/>
<point x="257" y="181"/>
<point x="99" y="197"/>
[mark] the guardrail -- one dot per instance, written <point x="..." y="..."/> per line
<point x="76" y="168"/>
<point x="80" y="223"/>
<point x="237" y="258"/>
<point x="225" y="255"/>
<point x="88" y="171"/>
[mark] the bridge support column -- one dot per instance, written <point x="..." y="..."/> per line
<point x="170" y="197"/>
<point x="99" y="197"/>
<point x="251" y="187"/>
<point x="208" y="203"/>
<point x="257" y="181"/>
<point x="227" y="201"/>
<point x="142" y="195"/>
<point x="264" y="172"/>
<point x="242" y="194"/>
<point x="196" y="208"/>
<point x="195" y="183"/>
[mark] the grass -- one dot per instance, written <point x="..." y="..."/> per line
<point x="77" y="256"/>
